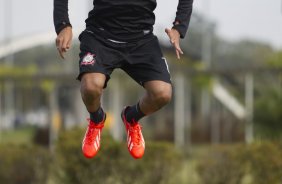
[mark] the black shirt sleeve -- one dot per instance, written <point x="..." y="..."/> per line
<point x="183" y="16"/>
<point x="60" y="15"/>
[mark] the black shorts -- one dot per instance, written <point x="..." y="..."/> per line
<point x="141" y="60"/>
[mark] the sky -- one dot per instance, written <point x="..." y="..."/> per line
<point x="241" y="19"/>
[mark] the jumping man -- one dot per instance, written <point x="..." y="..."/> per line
<point x="119" y="34"/>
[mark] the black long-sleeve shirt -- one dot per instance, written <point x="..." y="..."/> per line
<point x="123" y="20"/>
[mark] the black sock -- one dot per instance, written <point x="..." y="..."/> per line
<point x="133" y="113"/>
<point x="97" y="116"/>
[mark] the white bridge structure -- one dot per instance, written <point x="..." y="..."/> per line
<point x="241" y="111"/>
<point x="24" y="43"/>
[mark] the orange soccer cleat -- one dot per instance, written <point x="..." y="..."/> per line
<point x="92" y="138"/>
<point x="135" y="140"/>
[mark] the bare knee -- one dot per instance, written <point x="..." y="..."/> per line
<point x="161" y="96"/>
<point x="92" y="86"/>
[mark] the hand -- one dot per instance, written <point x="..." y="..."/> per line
<point x="174" y="37"/>
<point x="63" y="41"/>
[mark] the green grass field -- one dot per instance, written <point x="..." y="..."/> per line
<point x="17" y="136"/>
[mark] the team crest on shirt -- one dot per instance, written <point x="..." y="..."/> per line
<point x="88" y="59"/>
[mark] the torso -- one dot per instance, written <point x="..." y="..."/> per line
<point x="122" y="18"/>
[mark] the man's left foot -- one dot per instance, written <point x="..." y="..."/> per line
<point x="135" y="140"/>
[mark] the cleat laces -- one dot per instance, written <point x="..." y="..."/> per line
<point x="135" y="130"/>
<point x="92" y="128"/>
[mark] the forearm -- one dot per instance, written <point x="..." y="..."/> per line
<point x="60" y="15"/>
<point x="183" y="16"/>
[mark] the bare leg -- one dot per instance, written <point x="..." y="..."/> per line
<point x="157" y="95"/>
<point x="91" y="90"/>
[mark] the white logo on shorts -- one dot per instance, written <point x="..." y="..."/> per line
<point x="88" y="59"/>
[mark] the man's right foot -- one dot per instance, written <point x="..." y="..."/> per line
<point x="135" y="140"/>
<point x="92" y="138"/>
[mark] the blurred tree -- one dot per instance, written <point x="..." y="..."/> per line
<point x="268" y="114"/>
<point x="275" y="60"/>
<point x="245" y="53"/>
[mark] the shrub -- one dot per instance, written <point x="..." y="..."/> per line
<point x="265" y="159"/>
<point x="20" y="164"/>
<point x="113" y="164"/>
<point x="262" y="161"/>
<point x="222" y="165"/>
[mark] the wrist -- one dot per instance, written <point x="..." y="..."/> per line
<point x="67" y="28"/>
<point x="176" y="31"/>
<point x="179" y="30"/>
<point x="62" y="26"/>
